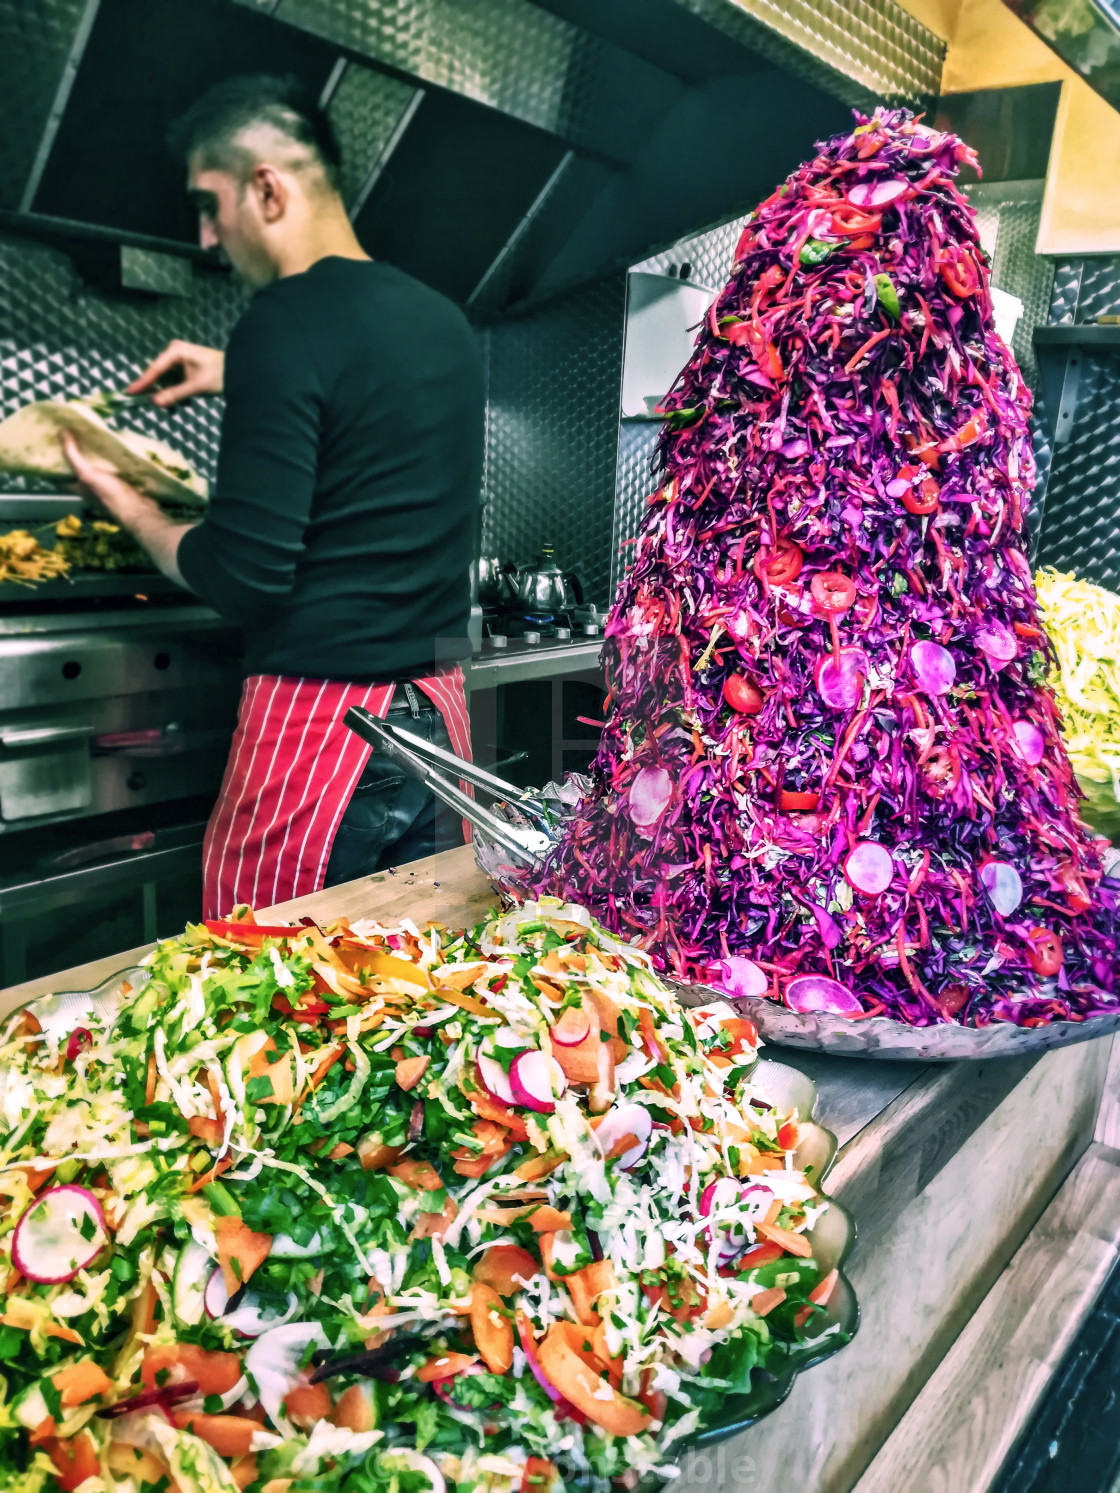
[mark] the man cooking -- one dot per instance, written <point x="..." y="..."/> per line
<point x="343" y="517"/>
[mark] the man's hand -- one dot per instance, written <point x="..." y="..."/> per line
<point x="201" y="370"/>
<point x="144" y="519"/>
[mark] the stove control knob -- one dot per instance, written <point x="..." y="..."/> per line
<point x="590" y="629"/>
<point x="563" y="634"/>
<point x="498" y="640"/>
<point x="531" y="637"/>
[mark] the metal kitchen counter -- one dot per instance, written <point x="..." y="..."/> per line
<point x="521" y="661"/>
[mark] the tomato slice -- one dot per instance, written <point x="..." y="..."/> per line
<point x="942" y="769"/>
<point x="1044" y="951"/>
<point x="959" y="272"/>
<point x="742" y="695"/>
<point x="833" y="591"/>
<point x="952" y="998"/>
<point x="1073" y="884"/>
<point x="793" y="802"/>
<point x="779" y="564"/>
<point x="743" y="1034"/>
<point x="923" y="499"/>
<point x="848" y="219"/>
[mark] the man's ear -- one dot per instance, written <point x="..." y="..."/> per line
<point x="272" y="192"/>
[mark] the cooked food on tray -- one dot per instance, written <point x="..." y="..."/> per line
<point x="832" y="772"/>
<point x="24" y="561"/>
<point x="29" y="445"/>
<point x="365" y="1208"/>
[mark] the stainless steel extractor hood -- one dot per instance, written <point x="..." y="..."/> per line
<point x="501" y="150"/>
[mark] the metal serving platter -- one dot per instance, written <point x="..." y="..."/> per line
<point x="880" y="1037"/>
<point x="784" y="1087"/>
<point x="865" y="1037"/>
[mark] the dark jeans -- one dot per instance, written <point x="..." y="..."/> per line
<point x="391" y="818"/>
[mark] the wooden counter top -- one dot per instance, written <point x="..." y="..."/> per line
<point x="946" y="1169"/>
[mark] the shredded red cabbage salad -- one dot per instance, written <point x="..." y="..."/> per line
<point x="828" y="748"/>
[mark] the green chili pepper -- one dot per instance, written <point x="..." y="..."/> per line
<point x="888" y="296"/>
<point x="815" y="251"/>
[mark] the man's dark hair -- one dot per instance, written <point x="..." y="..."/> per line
<point x="210" y="127"/>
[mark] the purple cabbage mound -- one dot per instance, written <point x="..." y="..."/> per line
<point x="829" y="637"/>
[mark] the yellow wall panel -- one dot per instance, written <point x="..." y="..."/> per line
<point x="989" y="47"/>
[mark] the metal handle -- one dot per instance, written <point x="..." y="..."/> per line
<point x="383" y="738"/>
<point x="478" y="777"/>
<point x="22" y="736"/>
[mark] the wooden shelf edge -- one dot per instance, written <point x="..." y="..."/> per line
<point x="1079" y="334"/>
<point x="967" y="1418"/>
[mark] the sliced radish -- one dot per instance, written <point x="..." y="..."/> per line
<point x="869" y="867"/>
<point x="194" y="1270"/>
<point x="58" y="1235"/>
<point x="808" y="993"/>
<point x="880" y="193"/>
<point x="274" y="1363"/>
<point x="571" y="1027"/>
<point x="248" y="1318"/>
<point x="529" y="1348"/>
<point x="997" y="641"/>
<point x="215" y="1298"/>
<point x="622" y="1120"/>
<point x="80" y="1040"/>
<point x="934" y="667"/>
<point x="742" y="977"/>
<point x="495" y="1079"/>
<point x="1030" y="742"/>
<point x="1003" y="885"/>
<point x="732" y="1237"/>
<point x="755" y="1200"/>
<point x="532" y="1080"/>
<point x="650" y="793"/>
<point x="840" y="683"/>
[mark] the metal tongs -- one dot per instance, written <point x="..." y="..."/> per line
<point x="429" y="764"/>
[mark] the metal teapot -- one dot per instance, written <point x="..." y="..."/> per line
<point x="545" y="589"/>
<point x="493" y="582"/>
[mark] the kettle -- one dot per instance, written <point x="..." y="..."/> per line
<point x="545" y="589"/>
<point x="492" y="583"/>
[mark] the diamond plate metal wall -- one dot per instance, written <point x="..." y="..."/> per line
<point x="1099" y="293"/>
<point x="862" y="51"/>
<point x="1082" y="526"/>
<point x="507" y="54"/>
<point x="1016" y="268"/>
<point x="1085" y="289"/>
<point x="708" y="254"/>
<point x="60" y="338"/>
<point x="555" y="381"/>
<point x="637" y="442"/>
<point x="365" y="109"/>
<point x="35" y="41"/>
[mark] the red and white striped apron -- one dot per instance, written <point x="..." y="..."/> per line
<point x="292" y="769"/>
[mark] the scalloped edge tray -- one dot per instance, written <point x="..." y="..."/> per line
<point x="832" y="1238"/>
<point x="786" y="1088"/>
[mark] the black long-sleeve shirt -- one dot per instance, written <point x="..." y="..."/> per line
<point x="342" y="521"/>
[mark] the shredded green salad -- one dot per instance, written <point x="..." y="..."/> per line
<point x="365" y="1208"/>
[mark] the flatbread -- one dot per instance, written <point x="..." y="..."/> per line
<point x="29" y="445"/>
